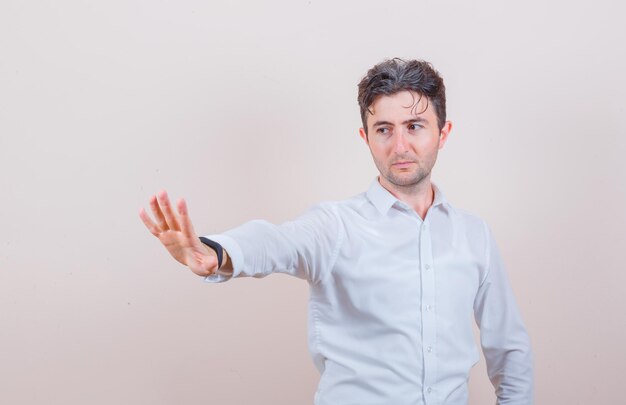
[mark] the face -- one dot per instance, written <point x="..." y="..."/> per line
<point x="404" y="139"/>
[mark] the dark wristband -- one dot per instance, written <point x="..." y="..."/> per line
<point x="215" y="246"/>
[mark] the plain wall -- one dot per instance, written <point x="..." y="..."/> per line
<point x="248" y="110"/>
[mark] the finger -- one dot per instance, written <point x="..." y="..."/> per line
<point x="158" y="214"/>
<point x="166" y="208"/>
<point x="148" y="222"/>
<point x="185" y="220"/>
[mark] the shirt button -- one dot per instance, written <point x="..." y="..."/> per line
<point x="429" y="349"/>
<point x="427" y="267"/>
<point x="429" y="307"/>
<point x="429" y="390"/>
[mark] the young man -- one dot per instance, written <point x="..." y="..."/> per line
<point x="396" y="273"/>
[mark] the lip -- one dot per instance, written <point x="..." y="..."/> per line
<point x="402" y="164"/>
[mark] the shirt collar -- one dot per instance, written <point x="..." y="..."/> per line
<point x="383" y="200"/>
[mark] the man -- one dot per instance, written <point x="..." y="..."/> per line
<point x="396" y="273"/>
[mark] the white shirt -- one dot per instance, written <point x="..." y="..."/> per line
<point x="393" y="298"/>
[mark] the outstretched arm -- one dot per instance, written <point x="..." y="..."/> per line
<point x="177" y="234"/>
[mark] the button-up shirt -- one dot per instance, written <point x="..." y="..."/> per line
<point x="393" y="299"/>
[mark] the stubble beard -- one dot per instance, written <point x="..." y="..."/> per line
<point x="406" y="181"/>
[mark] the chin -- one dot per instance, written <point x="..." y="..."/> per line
<point x="403" y="182"/>
<point x="409" y="179"/>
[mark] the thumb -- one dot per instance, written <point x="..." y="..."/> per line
<point x="204" y="263"/>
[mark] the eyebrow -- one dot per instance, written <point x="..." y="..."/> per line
<point x="410" y="121"/>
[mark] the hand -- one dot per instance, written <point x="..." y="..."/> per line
<point x="176" y="233"/>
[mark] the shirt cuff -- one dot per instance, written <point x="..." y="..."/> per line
<point x="233" y="250"/>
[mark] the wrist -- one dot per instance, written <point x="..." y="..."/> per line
<point x="217" y="249"/>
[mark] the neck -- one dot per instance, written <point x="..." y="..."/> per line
<point x="418" y="196"/>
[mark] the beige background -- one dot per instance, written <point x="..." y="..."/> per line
<point x="247" y="108"/>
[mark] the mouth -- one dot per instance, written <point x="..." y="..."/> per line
<point x="402" y="165"/>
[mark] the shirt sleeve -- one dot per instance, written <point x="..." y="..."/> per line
<point x="504" y="339"/>
<point x="305" y="248"/>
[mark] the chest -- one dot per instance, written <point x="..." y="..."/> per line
<point x="400" y="265"/>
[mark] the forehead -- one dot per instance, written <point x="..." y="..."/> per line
<point x="402" y="104"/>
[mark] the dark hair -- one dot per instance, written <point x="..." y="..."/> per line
<point x="396" y="75"/>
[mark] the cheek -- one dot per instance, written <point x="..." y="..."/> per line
<point x="426" y="143"/>
<point x="380" y="149"/>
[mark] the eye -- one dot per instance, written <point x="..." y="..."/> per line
<point x="415" y="127"/>
<point x="382" y="131"/>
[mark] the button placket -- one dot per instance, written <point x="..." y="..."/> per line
<point x="429" y="325"/>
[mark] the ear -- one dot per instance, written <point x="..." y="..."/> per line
<point x="443" y="134"/>
<point x="364" y="135"/>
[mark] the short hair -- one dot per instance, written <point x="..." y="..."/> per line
<point x="395" y="75"/>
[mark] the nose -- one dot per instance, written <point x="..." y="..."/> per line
<point x="401" y="144"/>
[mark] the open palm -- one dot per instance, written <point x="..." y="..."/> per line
<point x="176" y="233"/>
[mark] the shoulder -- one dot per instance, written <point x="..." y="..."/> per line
<point x="341" y="208"/>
